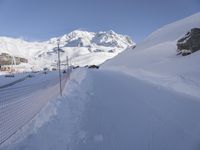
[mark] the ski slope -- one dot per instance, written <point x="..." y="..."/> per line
<point x="6" y="80"/>
<point x="145" y="99"/>
<point x="19" y="103"/>
<point x="155" y="60"/>
<point x="125" y="113"/>
<point x="57" y="121"/>
<point x="111" y="110"/>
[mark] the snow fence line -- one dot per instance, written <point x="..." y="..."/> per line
<point x="20" y="104"/>
<point x="14" y="82"/>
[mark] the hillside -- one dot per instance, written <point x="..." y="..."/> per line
<point x="155" y="59"/>
<point x="82" y="47"/>
<point x="146" y="98"/>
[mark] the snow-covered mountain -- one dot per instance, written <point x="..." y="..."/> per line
<point x="81" y="47"/>
<point x="116" y="107"/>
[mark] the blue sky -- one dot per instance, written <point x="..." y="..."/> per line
<point x="43" y="19"/>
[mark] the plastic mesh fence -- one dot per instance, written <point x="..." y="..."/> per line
<point x="20" y="104"/>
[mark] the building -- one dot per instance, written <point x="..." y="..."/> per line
<point x="7" y="60"/>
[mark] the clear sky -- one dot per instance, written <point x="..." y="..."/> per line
<point x="43" y="19"/>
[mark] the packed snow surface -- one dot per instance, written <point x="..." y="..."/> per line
<point x="112" y="110"/>
<point x="7" y="80"/>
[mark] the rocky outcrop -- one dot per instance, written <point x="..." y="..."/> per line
<point x="6" y="59"/>
<point x="190" y="43"/>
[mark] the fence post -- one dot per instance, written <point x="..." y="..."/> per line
<point x="59" y="69"/>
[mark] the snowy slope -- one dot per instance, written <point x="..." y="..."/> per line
<point x="82" y="48"/>
<point x="19" y="47"/>
<point x="86" y="48"/>
<point x="111" y="109"/>
<point x="155" y="59"/>
<point x="58" y="121"/>
<point x="125" y="113"/>
<point x="90" y="117"/>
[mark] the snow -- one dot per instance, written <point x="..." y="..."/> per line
<point x="76" y="45"/>
<point x="146" y="98"/>
<point x="155" y="59"/>
<point x="26" y="99"/>
<point x="20" y="47"/>
<point x="46" y="114"/>
<point x="55" y="126"/>
<point x="171" y="32"/>
<point x="109" y="110"/>
<point x="92" y="48"/>
<point x="6" y="80"/>
<point x="127" y="113"/>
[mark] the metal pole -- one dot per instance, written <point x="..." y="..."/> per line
<point x="59" y="69"/>
<point x="67" y="62"/>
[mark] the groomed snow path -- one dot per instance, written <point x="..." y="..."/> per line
<point x="106" y="110"/>
<point x="125" y="113"/>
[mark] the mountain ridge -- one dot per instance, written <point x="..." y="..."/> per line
<point x="77" y="43"/>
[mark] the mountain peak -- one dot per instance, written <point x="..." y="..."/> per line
<point x="85" y="38"/>
<point x="79" y="33"/>
<point x="85" y="48"/>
